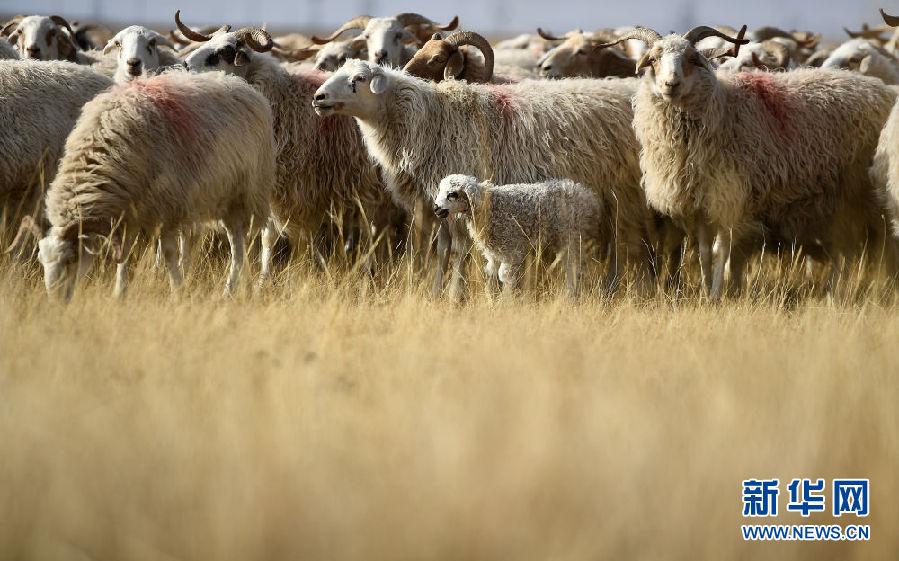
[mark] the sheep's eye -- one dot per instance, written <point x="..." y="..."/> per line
<point x="212" y="60"/>
<point x="359" y="78"/>
<point x="118" y="45"/>
<point x="452" y="196"/>
<point x="580" y="52"/>
<point x="341" y="59"/>
<point x="398" y="36"/>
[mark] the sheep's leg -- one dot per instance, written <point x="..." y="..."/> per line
<point x="704" y="243"/>
<point x="574" y="268"/>
<point x="185" y="243"/>
<point x="490" y="272"/>
<point x="269" y="239"/>
<point x="462" y="246"/>
<point x="169" y="245"/>
<point x="236" y="235"/>
<point x="721" y="254"/>
<point x="613" y="276"/>
<point x="444" y="245"/>
<point x="738" y="258"/>
<point x="675" y="242"/>
<point x="508" y="275"/>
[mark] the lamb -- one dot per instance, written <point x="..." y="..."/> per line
<point x="140" y="50"/>
<point x="863" y="57"/>
<point x="752" y="155"/>
<point x="117" y="179"/>
<point x="506" y="222"/>
<point x="323" y="168"/>
<point x="441" y="58"/>
<point x="419" y="132"/>
<point x="41" y="101"/>
<point x="388" y="39"/>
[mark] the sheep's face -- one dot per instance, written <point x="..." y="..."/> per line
<point x="62" y="267"/>
<point x="40" y="38"/>
<point x="386" y="39"/>
<point x="452" y="195"/>
<point x="353" y="90"/>
<point x="855" y="55"/>
<point x="138" y="51"/>
<point x="331" y="56"/>
<point x="225" y="51"/>
<point x="436" y="60"/>
<point x="571" y="58"/>
<point x="674" y="67"/>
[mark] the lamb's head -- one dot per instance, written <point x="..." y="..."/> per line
<point x="386" y="38"/>
<point x="356" y="89"/>
<point x="59" y="253"/>
<point x="229" y="51"/>
<point x="441" y="58"/>
<point x="331" y="56"/>
<point x="858" y="55"/>
<point x="138" y="51"/>
<point x="43" y="38"/>
<point x="582" y="55"/>
<point x="454" y="195"/>
<point x="674" y="65"/>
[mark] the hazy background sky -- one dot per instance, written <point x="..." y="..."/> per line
<point x="503" y="16"/>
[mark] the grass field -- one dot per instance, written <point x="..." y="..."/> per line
<point x="340" y="416"/>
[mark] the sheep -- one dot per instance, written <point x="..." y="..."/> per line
<point x="117" y="179"/>
<point x="7" y="51"/>
<point x="863" y="57"/>
<point x="770" y="54"/>
<point x="40" y="104"/>
<point x="506" y="222"/>
<point x="140" y="50"/>
<point x="46" y="38"/>
<point x="441" y="58"/>
<point x="90" y="36"/>
<point x="386" y="39"/>
<point x="321" y="164"/>
<point x="579" y="56"/>
<point x="419" y="132"/>
<point x="331" y="56"/>
<point x="742" y="156"/>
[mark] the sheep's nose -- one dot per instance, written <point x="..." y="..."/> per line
<point x="33" y="52"/>
<point x="133" y="62"/>
<point x="321" y="96"/>
<point x="673" y="82"/>
<point x="380" y="55"/>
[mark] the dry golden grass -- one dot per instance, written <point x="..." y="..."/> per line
<point x="347" y="417"/>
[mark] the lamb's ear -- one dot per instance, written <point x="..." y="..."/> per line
<point x="455" y="64"/>
<point x="378" y="84"/>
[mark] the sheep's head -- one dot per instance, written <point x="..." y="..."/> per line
<point x="386" y="38"/>
<point x="331" y="56"/>
<point x="355" y="90"/>
<point x="453" y="195"/>
<point x="61" y="259"/>
<point x="229" y="51"/>
<point x="581" y="55"/>
<point x="42" y="38"/>
<point x="138" y="51"/>
<point x="858" y="55"/>
<point x="770" y="54"/>
<point x="674" y="64"/>
<point x="441" y="58"/>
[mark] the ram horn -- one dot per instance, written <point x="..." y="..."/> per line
<point x="460" y="38"/>
<point x="61" y="21"/>
<point x="358" y="22"/>
<point x="645" y="34"/>
<point x="257" y="39"/>
<point x="193" y="35"/>
<point x="701" y="32"/>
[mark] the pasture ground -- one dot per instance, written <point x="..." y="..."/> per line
<point x="343" y="416"/>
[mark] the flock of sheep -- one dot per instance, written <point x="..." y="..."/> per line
<point x="411" y="131"/>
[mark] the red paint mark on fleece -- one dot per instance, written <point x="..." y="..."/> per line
<point x="774" y="100"/>
<point x="503" y="100"/>
<point x="169" y="101"/>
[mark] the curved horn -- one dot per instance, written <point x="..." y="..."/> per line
<point x="9" y="28"/>
<point x="28" y="226"/>
<point x="865" y="33"/>
<point x="701" y="32"/>
<point x="779" y="53"/>
<point x="411" y="18"/>
<point x="892" y="21"/>
<point x="193" y="35"/>
<point x="100" y="226"/>
<point x="257" y="39"/>
<point x="358" y="22"/>
<point x="293" y="55"/>
<point x="809" y="40"/>
<point x="460" y="38"/>
<point x="645" y="34"/>
<point x="60" y="21"/>
<point x="549" y="37"/>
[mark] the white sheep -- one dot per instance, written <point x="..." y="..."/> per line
<point x="40" y="103"/>
<point x="323" y="168"/>
<point x="159" y="154"/>
<point x="46" y="38"/>
<point x="140" y="50"/>
<point x="508" y="222"/>
<point x="885" y="168"/>
<point x="391" y="40"/>
<point x="7" y="51"/>
<point x="861" y="56"/>
<point x="780" y="156"/>
<point x="419" y="132"/>
<point x="331" y="56"/>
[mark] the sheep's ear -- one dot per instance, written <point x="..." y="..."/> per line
<point x="67" y="48"/>
<point x="865" y="65"/>
<point x="91" y="243"/>
<point x="643" y="62"/>
<point x="455" y="64"/>
<point x="241" y="57"/>
<point x="378" y="84"/>
<point x="109" y="46"/>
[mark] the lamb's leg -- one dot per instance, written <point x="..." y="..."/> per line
<point x="574" y="267"/>
<point x="508" y="275"/>
<point x="444" y="245"/>
<point x="490" y="272"/>
<point x="704" y="243"/>
<point x="721" y="254"/>
<point x="269" y="239"/>
<point x="237" y="232"/>
<point x="169" y="246"/>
